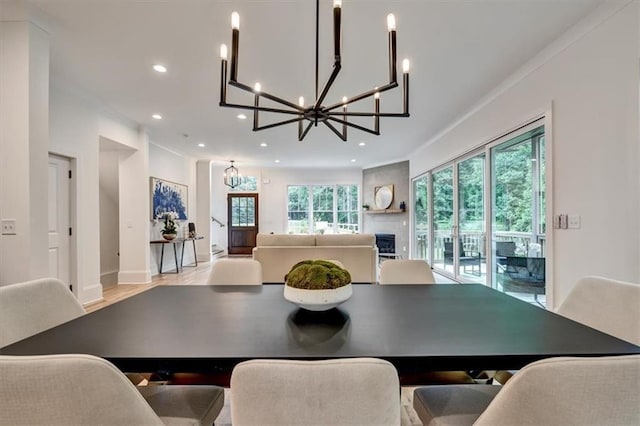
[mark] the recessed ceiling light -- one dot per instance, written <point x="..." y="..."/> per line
<point x="263" y="144"/>
<point x="156" y="116"/>
<point x="201" y="145"/>
<point x="242" y="116"/>
<point x="353" y="160"/>
<point x="160" y="68"/>
<point x="277" y="161"/>
<point x="362" y="144"/>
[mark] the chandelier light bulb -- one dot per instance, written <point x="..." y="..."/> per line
<point x="257" y="87"/>
<point x="337" y="3"/>
<point x="235" y="21"/>
<point x="391" y="22"/>
<point x="344" y="100"/>
<point x="405" y="66"/>
<point x="223" y="51"/>
<point x="376" y="95"/>
<point x="301" y="101"/>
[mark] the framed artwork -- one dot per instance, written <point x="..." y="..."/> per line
<point x="167" y="196"/>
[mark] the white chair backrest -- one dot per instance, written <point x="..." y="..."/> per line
<point x="569" y="391"/>
<point x="69" y="390"/>
<point x="235" y="272"/>
<point x="356" y="391"/>
<point x="31" y="307"/>
<point x="610" y="306"/>
<point x="406" y="271"/>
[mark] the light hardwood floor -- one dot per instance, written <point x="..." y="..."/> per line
<point x="197" y="276"/>
<point x="188" y="276"/>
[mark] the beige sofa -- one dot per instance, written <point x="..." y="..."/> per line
<point x="279" y="252"/>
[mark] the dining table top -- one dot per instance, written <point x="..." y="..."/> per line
<point x="416" y="327"/>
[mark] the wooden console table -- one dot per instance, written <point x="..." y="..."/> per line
<point x="174" y="242"/>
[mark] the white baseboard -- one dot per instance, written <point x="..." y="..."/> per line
<point x="90" y="294"/>
<point x="134" y="277"/>
<point x="109" y="279"/>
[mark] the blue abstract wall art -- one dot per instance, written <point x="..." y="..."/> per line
<point x="166" y="197"/>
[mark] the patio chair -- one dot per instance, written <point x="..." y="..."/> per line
<point x="464" y="259"/>
<point x="504" y="249"/>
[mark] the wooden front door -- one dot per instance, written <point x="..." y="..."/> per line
<point x="242" y="218"/>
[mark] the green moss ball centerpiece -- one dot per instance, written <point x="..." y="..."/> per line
<point x="317" y="285"/>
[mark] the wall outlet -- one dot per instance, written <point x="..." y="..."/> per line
<point x="8" y="227"/>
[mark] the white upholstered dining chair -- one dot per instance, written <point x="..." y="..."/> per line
<point x="87" y="390"/>
<point x="610" y="306"/>
<point x="235" y="272"/>
<point x="556" y="391"/>
<point x="354" y="391"/>
<point x="406" y="271"/>
<point x="31" y="307"/>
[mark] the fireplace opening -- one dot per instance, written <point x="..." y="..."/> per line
<point x="386" y="243"/>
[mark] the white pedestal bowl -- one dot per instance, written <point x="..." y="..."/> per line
<point x="317" y="300"/>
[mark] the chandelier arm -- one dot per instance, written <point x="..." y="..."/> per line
<point x="361" y="96"/>
<point x="355" y="126"/>
<point x="342" y="136"/>
<point x="262" y="109"/>
<point x="266" y="95"/>
<point x="302" y="134"/>
<point x="369" y="114"/>
<point x="336" y="69"/>
<point x="279" y="123"/>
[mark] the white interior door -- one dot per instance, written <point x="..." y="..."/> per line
<point x="59" y="218"/>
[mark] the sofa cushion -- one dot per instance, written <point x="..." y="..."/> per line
<point x="285" y="240"/>
<point x="346" y="240"/>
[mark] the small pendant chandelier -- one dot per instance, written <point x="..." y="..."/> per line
<point x="231" y="176"/>
<point x="335" y="116"/>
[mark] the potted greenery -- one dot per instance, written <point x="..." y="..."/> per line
<point x="169" y="230"/>
<point x="317" y="285"/>
<point x="365" y="207"/>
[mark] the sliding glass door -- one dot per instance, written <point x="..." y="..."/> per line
<point x="443" y="219"/>
<point x="517" y="222"/>
<point x="481" y="217"/>
<point x="421" y="219"/>
<point x="471" y="218"/>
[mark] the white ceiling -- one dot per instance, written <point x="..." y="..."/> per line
<point x="459" y="51"/>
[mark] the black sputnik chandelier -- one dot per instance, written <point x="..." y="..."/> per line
<point x="311" y="115"/>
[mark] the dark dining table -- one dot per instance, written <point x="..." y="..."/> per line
<point x="209" y="329"/>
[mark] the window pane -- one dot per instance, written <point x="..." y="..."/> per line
<point x="443" y="217"/>
<point x="347" y="209"/>
<point x="298" y="209"/>
<point x="322" y="209"/>
<point x="421" y="218"/>
<point x="471" y="218"/>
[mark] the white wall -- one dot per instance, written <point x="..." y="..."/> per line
<point x="24" y="127"/>
<point x="109" y="217"/>
<point x="174" y="167"/>
<point x="272" y="187"/>
<point x="592" y="85"/>
<point x="76" y="125"/>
